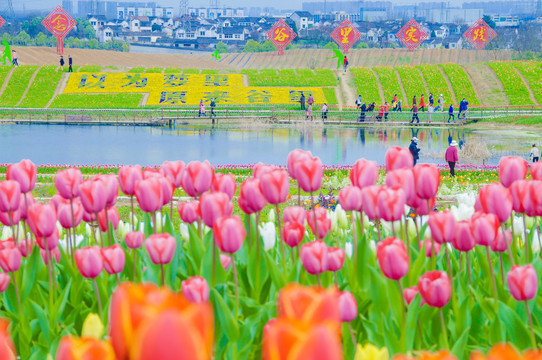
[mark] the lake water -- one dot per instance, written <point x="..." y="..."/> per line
<point x="86" y="145"/>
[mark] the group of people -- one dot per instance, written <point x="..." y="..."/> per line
<point x="451" y="156"/>
<point x="308" y="109"/>
<point x="70" y="63"/>
<point x="212" y="105"/>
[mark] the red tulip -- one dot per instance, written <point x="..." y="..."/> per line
<point x="229" y="233"/>
<point x="392" y="258"/>
<point x="485" y="228"/>
<point x="25" y="173"/>
<point x="161" y="248"/>
<point x="197" y="178"/>
<point x="275" y="186"/>
<point x="189" y="211"/>
<point x="442" y="225"/>
<point x="391" y="203"/>
<point x="173" y="170"/>
<point x="335" y="258"/>
<point x="536" y="170"/>
<point x="294" y="214"/>
<point x="64" y="214"/>
<point x="67" y="182"/>
<point x="50" y="242"/>
<point x="113" y="218"/>
<point x="314" y="257"/>
<point x="404" y="178"/>
<point x="309" y="174"/>
<point x="522" y="282"/>
<point x="322" y="221"/>
<point x="42" y="220"/>
<point x="53" y="253"/>
<point x="369" y="201"/>
<point x="348" y="306"/>
<point x="128" y="178"/>
<point x="10" y="195"/>
<point x="134" y="239"/>
<point x="195" y="289"/>
<point x="4" y="282"/>
<point x="149" y="194"/>
<point x="410" y="293"/>
<point x="89" y="261"/>
<point x="435" y="288"/>
<point x="501" y="244"/>
<point x="261" y="168"/>
<point x="213" y="206"/>
<point x="293" y="233"/>
<point x="114" y="259"/>
<point x="225" y="261"/>
<point x="464" y="238"/>
<point x="512" y="168"/>
<point x="224" y="183"/>
<point x="294" y="157"/>
<point x="398" y="158"/>
<point x="251" y="199"/>
<point x="496" y="199"/>
<point x="92" y="194"/>
<point x="426" y="180"/>
<point x="350" y="198"/>
<point x="430" y="248"/>
<point x="364" y="173"/>
<point x="10" y="259"/>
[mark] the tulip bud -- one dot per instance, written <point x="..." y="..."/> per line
<point x="426" y="180"/>
<point x="111" y="187"/>
<point x="275" y="186"/>
<point x="224" y="183"/>
<point x="403" y="178"/>
<point x="25" y="173"/>
<point x="522" y="282"/>
<point x="335" y="258"/>
<point x="348" y="306"/>
<point x="89" y="261"/>
<point x="410" y="293"/>
<point x="442" y="225"/>
<point x="67" y="182"/>
<point x="314" y="257"/>
<point x="93" y="195"/>
<point x="197" y="178"/>
<point x="391" y="203"/>
<point x="10" y="195"/>
<point x="484" y="228"/>
<point x="464" y="239"/>
<point x="128" y="178"/>
<point x="342" y="220"/>
<point x="309" y="174"/>
<point x="350" y="198"/>
<point x="322" y="226"/>
<point x="173" y="170"/>
<point x="251" y="199"/>
<point x="112" y="218"/>
<point x="161" y="248"/>
<point x="294" y="214"/>
<point x="67" y="218"/>
<point x="114" y="259"/>
<point x="398" y="158"/>
<point x="261" y="168"/>
<point x="268" y="234"/>
<point x="435" y="288"/>
<point x="369" y="201"/>
<point x="430" y="248"/>
<point x="229" y="233"/>
<point x="392" y="258"/>
<point x="10" y="259"/>
<point x="364" y="173"/>
<point x="512" y="168"/>
<point x="195" y="289"/>
<point x="71" y="348"/>
<point x="294" y="158"/>
<point x="213" y="206"/>
<point x="293" y="233"/>
<point x="225" y="261"/>
<point x="149" y="194"/>
<point x="92" y="327"/>
<point x="54" y="255"/>
<point x="496" y="199"/>
<point x="4" y="282"/>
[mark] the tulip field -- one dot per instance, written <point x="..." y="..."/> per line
<point x="302" y="261"/>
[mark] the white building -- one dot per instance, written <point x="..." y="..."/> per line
<point x="302" y="19"/>
<point x="505" y="20"/>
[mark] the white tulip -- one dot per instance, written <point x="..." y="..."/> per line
<point x="271" y="216"/>
<point x="6" y="233"/>
<point x="348" y="249"/>
<point x="185" y="233"/>
<point x="269" y="235"/>
<point x="342" y="219"/>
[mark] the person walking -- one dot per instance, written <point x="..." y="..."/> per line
<point x="380" y="113"/>
<point x="309" y="112"/>
<point x="399" y="106"/>
<point x="451" y="115"/>
<point x="302" y="101"/>
<point x="535" y="153"/>
<point x="431" y="99"/>
<point x="212" y="106"/>
<point x="394" y="98"/>
<point x="345" y="63"/>
<point x="358" y="101"/>
<point x="386" y="111"/>
<point x="70" y="63"/>
<point x="310" y="100"/>
<point x="201" y="109"/>
<point x="451" y="157"/>
<point x="414" y="150"/>
<point x="441" y="103"/>
<point x="422" y="103"/>
<point x="14" y="58"/>
<point x="414" y="100"/>
<point x="324" y="112"/>
<point x="61" y="62"/>
<point x="463" y="106"/>
<point x="415" y="114"/>
<point x="362" y="114"/>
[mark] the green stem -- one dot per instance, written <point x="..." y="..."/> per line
<point x="533" y="341"/>
<point x="162" y="274"/>
<point x="97" y="296"/>
<point x="444" y="330"/>
<point x="236" y="287"/>
<point x="492" y="277"/>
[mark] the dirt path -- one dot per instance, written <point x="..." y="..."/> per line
<point x="346" y="87"/>
<point x="454" y="97"/>
<point x="531" y="94"/>
<point x="380" y="89"/>
<point x="424" y="81"/>
<point x="486" y="84"/>
<point x="28" y="87"/>
<point x="403" y="92"/>
<point x="60" y="88"/>
<point x="6" y="80"/>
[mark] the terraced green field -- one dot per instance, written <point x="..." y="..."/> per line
<point x="96" y="101"/>
<point x="412" y="83"/>
<point x="436" y="82"/>
<point x="390" y="82"/>
<point x="43" y="87"/>
<point x="17" y="85"/>
<point x="512" y="83"/>
<point x="532" y="72"/>
<point x="366" y="85"/>
<point x="460" y="83"/>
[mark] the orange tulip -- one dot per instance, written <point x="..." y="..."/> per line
<point x="72" y="348"/>
<point x="7" y="349"/>
<point x="506" y="352"/>
<point x="309" y="304"/>
<point x="147" y="322"/>
<point x="441" y="355"/>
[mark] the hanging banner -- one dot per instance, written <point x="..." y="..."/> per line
<point x="281" y="34"/>
<point x="412" y="35"/>
<point x="346" y="35"/>
<point x="2" y="21"/>
<point x="479" y="34"/>
<point x="59" y="23"/>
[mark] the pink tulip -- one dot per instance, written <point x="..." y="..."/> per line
<point x="398" y="158"/>
<point x="53" y="253"/>
<point x="112" y="218"/>
<point x="348" y="306"/>
<point x="57" y="200"/>
<point x="364" y="173"/>
<point x="42" y="220"/>
<point x="25" y="204"/>
<point x="294" y="158"/>
<point x="64" y="214"/>
<point x="323" y="223"/>
<point x="161" y="248"/>
<point x="496" y="199"/>
<point x="173" y="170"/>
<point x="391" y="203"/>
<point x="275" y="186"/>
<point x="464" y="238"/>
<point x="195" y="289"/>
<point x="92" y="194"/>
<point x="521" y="196"/>
<point x="350" y="198"/>
<point x="531" y="202"/>
<point x="152" y="173"/>
<point x="189" y="211"/>
<point x="261" y="168"/>
<point x="25" y="247"/>
<point x="167" y="190"/>
<point x="435" y="288"/>
<point x="294" y="214"/>
<point x="426" y="180"/>
<point x="4" y="282"/>
<point x="67" y="182"/>
<point x="477" y="204"/>
<point x="149" y="194"/>
<point x="9" y="219"/>
<point x="522" y="282"/>
<point x="410" y="293"/>
<point x="485" y="228"/>
<point x="10" y="259"/>
<point x="128" y="178"/>
<point x="134" y="239"/>
<point x="404" y="178"/>
<point x="111" y="187"/>
<point x="88" y="217"/>
<point x="424" y="207"/>
<point x="213" y="206"/>
<point x="89" y="261"/>
<point x="114" y="259"/>
<point x="442" y="225"/>
<point x="197" y="178"/>
<point x="224" y="183"/>
<point x="25" y="173"/>
<point x="335" y="258"/>
<point x="309" y="174"/>
<point x="501" y="242"/>
<point x="10" y="195"/>
<point x="225" y="261"/>
<point x="229" y="233"/>
<point x="314" y="257"/>
<point x="251" y="199"/>
<point x="50" y="242"/>
<point x="293" y="233"/>
<point x="369" y="201"/>
<point x="512" y="168"/>
<point x="536" y="170"/>
<point x="430" y="250"/>
<point x="392" y="258"/>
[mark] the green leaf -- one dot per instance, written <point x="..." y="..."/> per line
<point x="276" y="275"/>
<point x="224" y="315"/>
<point x="43" y="321"/>
<point x="515" y="327"/>
<point x="458" y="349"/>
<point x="412" y="323"/>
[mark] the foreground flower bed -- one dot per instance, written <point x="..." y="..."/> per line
<point x="381" y="274"/>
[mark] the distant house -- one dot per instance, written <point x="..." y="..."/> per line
<point x="97" y="21"/>
<point x="302" y="19"/>
<point x="434" y="43"/>
<point x="140" y="24"/>
<point x="453" y="42"/>
<point x="232" y="34"/>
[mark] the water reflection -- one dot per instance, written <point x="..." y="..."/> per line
<point x="58" y="144"/>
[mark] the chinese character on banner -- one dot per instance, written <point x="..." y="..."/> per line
<point x="59" y="23"/>
<point x="281" y="35"/>
<point x="412" y="35"/>
<point x="479" y="34"/>
<point x="346" y="35"/>
<point x="2" y="21"/>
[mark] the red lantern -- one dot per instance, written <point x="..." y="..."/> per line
<point x="412" y="35"/>
<point x="281" y="34"/>
<point x="346" y="35"/>
<point x="59" y="23"/>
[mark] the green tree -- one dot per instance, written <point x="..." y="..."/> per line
<point x="268" y="46"/>
<point x="221" y="47"/>
<point x="22" y="39"/>
<point x="331" y="45"/>
<point x="362" y="45"/>
<point x="489" y="21"/>
<point x="252" y="46"/>
<point x="93" y="44"/>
